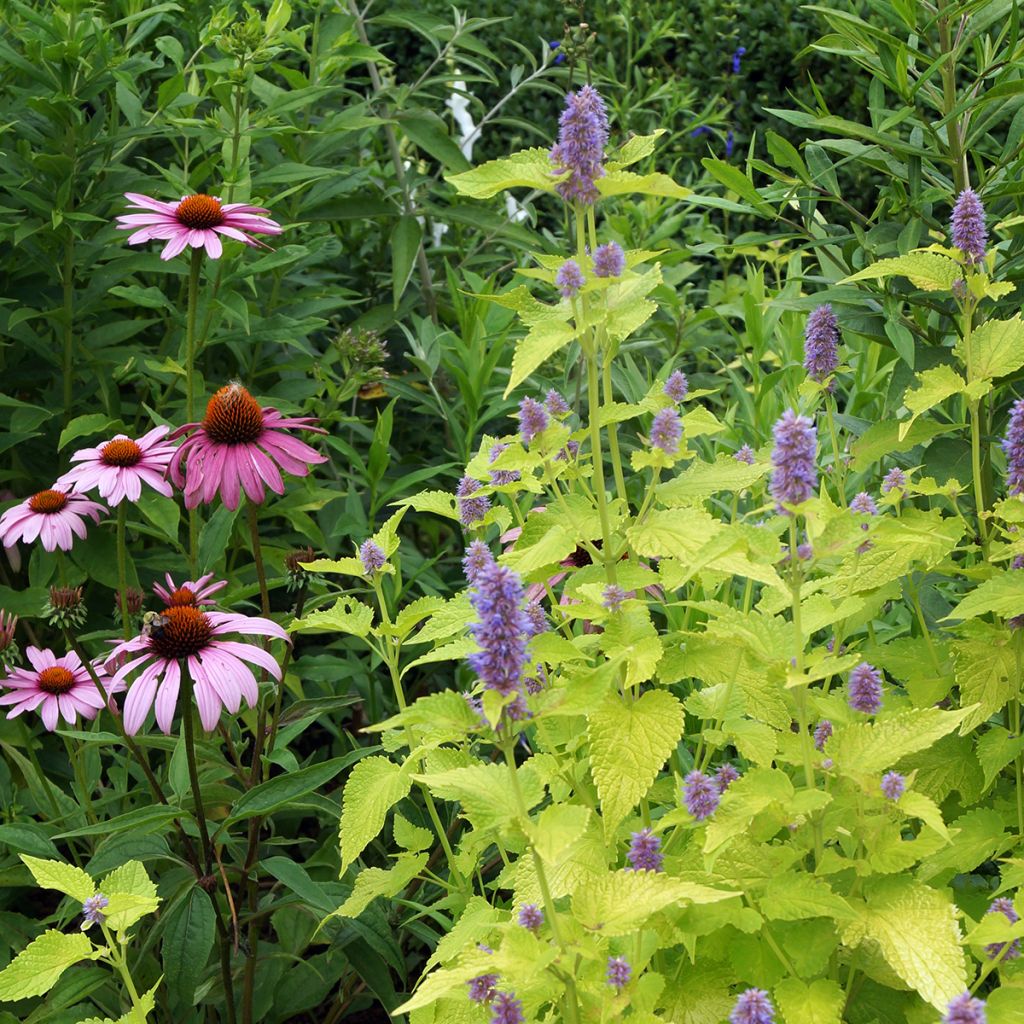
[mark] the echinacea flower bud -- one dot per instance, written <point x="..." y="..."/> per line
<point x="822" y="733"/>
<point x="609" y="260"/>
<point x="472" y="509"/>
<point x="965" y="1009"/>
<point x="821" y="344"/>
<point x="893" y="784"/>
<point x="677" y="386"/>
<point x="967" y="226"/>
<point x="582" y="136"/>
<point x="372" y="557"/>
<point x="533" y="419"/>
<point x="1013" y="445"/>
<point x="9" y="652"/>
<point x="569" y="279"/>
<point x="298" y="577"/>
<point x="745" y="455"/>
<point x="531" y="917"/>
<point x="753" y="1007"/>
<point x="619" y="972"/>
<point x="644" y="851"/>
<point x="994" y="950"/>
<point x="65" y="608"/>
<point x="556" y="404"/>
<point x="666" y="431"/>
<point x="864" y="689"/>
<point x="794" y="474"/>
<point x="894" y="480"/>
<point x="701" y="795"/>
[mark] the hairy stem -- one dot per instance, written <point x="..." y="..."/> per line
<point x="193" y="773"/>
<point x="122" y="568"/>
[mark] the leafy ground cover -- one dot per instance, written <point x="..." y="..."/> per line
<point x="498" y="531"/>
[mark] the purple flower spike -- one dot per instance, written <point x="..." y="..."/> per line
<point x="864" y="504"/>
<point x="967" y="226"/>
<point x="501" y="630"/>
<point x="556" y="404"/>
<point x="92" y="910"/>
<point x="569" y="279"/>
<point x="745" y="454"/>
<point x="499" y="477"/>
<point x="478" y="556"/>
<point x="701" y="795"/>
<point x="794" y="475"/>
<point x="666" y="431"/>
<point x="609" y="260"/>
<point x="582" y="136"/>
<point x="619" y="972"/>
<point x="864" y="689"/>
<point x="506" y="1009"/>
<point x="965" y="1009"/>
<point x="895" y="480"/>
<point x="821" y="344"/>
<point x="893" y="785"/>
<point x="994" y="950"/>
<point x="753" y="1007"/>
<point x="822" y="732"/>
<point x="481" y="988"/>
<point x="531" y="917"/>
<point x="372" y="557"/>
<point x="677" y="386"/>
<point x="725" y="777"/>
<point x="644" y="851"/>
<point x="538" y="618"/>
<point x="1013" y="445"/>
<point x="471" y="510"/>
<point x="533" y="419"/>
<point x="613" y="597"/>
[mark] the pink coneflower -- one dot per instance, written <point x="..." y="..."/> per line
<point x="191" y="592"/>
<point x="119" y="467"/>
<point x="197" y="221"/>
<point x="216" y="666"/>
<point x="239" y="446"/>
<point x="55" y="516"/>
<point x="55" y="686"/>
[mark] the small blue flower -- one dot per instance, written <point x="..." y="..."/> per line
<point x="701" y="129"/>
<point x="736" y="59"/>
<point x="728" y="143"/>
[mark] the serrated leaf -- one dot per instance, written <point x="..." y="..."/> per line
<point x="529" y="168"/>
<point x="1002" y="594"/>
<point x="374" y="787"/>
<point x="977" y="836"/>
<point x="556" y="829"/>
<point x="485" y="791"/>
<point x="413" y="838"/>
<point x="928" y="271"/>
<point x="997" y="348"/>
<point x="889" y="437"/>
<point x="441" y="503"/>
<point x="125" y="909"/>
<point x="543" y="341"/>
<point x="985" y="668"/>
<point x="37" y="967"/>
<point x="346" y="615"/>
<point x="869" y="748"/>
<point x="702" y="479"/>
<point x="793" y="897"/>
<point x="933" y="386"/>
<point x="629" y="744"/>
<point x="996" y="749"/>
<point x="65" y="878"/>
<point x="820" y="1002"/>
<point x="130" y="878"/>
<point x="374" y="882"/>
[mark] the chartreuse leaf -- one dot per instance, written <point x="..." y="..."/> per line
<point x="374" y="787"/>
<point x="65" y="878"/>
<point x="346" y="615"/>
<point x="792" y="897"/>
<point x="1003" y="594"/>
<point x="136" y="1015"/>
<point x="934" y="386"/>
<point x="556" y="829"/>
<point x="619" y="902"/>
<point x="914" y="926"/>
<point x="633" y="150"/>
<point x="977" y="837"/>
<point x="997" y="348"/>
<point x="619" y="183"/>
<point x="37" y="967"/>
<point x="131" y="895"/>
<point x="544" y="339"/>
<point x="413" y="838"/>
<point x="486" y="793"/>
<point x="374" y="882"/>
<point x="629" y="744"/>
<point x="820" y="1002"/>
<point x="446" y="980"/>
<point x="868" y="748"/>
<point x="986" y="671"/>
<point x="529" y="168"/>
<point x="928" y="271"/>
<point x="474" y="925"/>
<point x="702" y="479"/>
<point x="996" y="749"/>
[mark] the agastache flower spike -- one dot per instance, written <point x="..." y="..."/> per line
<point x="609" y="260"/>
<point x="556" y="404"/>
<point x="725" y="777"/>
<point x="533" y="419"/>
<point x="506" y="1009"/>
<point x="967" y="226"/>
<point x="531" y="917"/>
<point x="471" y="509"/>
<point x="478" y="556"/>
<point x="1003" y="906"/>
<point x="613" y="597"/>
<point x="893" y="785"/>
<point x="619" y="972"/>
<point x="864" y="689"/>
<point x="372" y="557"/>
<point x="701" y="795"/>
<point x="746" y="455"/>
<point x="894" y="480"/>
<point x="794" y="475"/>
<point x="822" y="733"/>
<point x="821" y="344"/>
<point x="753" y="1007"/>
<point x="501" y="631"/>
<point x="92" y="910"/>
<point x="965" y="1009"/>
<point x="666" y="431"/>
<point x="569" y="279"/>
<point x="1013" y="445"/>
<point x="677" y="386"/>
<point x="500" y="477"/>
<point x="645" y="851"/>
<point x="582" y="136"/>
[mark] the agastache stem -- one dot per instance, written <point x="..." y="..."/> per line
<point x="838" y="466"/>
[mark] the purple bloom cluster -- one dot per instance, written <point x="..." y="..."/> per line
<point x="745" y="454"/>
<point x="582" y="136"/>
<point x="506" y="1009"/>
<point x="569" y="452"/>
<point x="864" y="689"/>
<point x="1013" y="445"/>
<point x="569" y="279"/>
<point x="613" y="597"/>
<point x="822" y="732"/>
<point x="531" y="917"/>
<point x="371" y="556"/>
<point x="701" y="795"/>
<point x="619" y="972"/>
<point x="677" y="386"/>
<point x="821" y="344"/>
<point x="967" y="226"/>
<point x="725" y="777"/>
<point x="499" y="477"/>
<point x="534" y="684"/>
<point x="609" y="260"/>
<point x="556" y="404"/>
<point x="533" y="419"/>
<point x="965" y="1009"/>
<point x="92" y="910"/>
<point x="537" y="617"/>
<point x="794" y="475"/>
<point x="644" y="852"/>
<point x="1003" y="906"/>
<point x="894" y="480"/>
<point x="471" y="509"/>
<point x="502" y="629"/>
<point x="481" y="988"/>
<point x="893" y="785"/>
<point x="666" y="431"/>
<point x="864" y="504"/>
<point x="753" y="1007"/>
<point x="478" y="556"/>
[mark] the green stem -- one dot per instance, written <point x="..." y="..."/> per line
<point x="193" y="773"/>
<point x="1018" y="761"/>
<point x="68" y="314"/>
<point x="613" y="430"/>
<point x="252" y="511"/>
<point x="597" y="456"/>
<point x="120" y="963"/>
<point x="957" y="157"/>
<point x="190" y="388"/>
<point x="838" y="466"/>
<point x="122" y="567"/>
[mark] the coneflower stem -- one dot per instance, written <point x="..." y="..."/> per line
<point x="190" y="389"/>
<point x="193" y="773"/>
<point x="122" y="568"/>
<point x="68" y="280"/>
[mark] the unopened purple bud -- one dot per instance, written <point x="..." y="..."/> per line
<point x="609" y="260"/>
<point x="994" y="950"/>
<point x="677" y="386"/>
<point x="821" y="344"/>
<point x="531" y="917"/>
<point x="965" y="1009"/>
<point x="895" y="480"/>
<point x="1013" y="445"/>
<point x="506" y="1009"/>
<point x="372" y="557"/>
<point x="478" y="556"/>
<point x="481" y="988"/>
<point x="613" y="597"/>
<point x="582" y="136"/>
<point x="569" y="279"/>
<point x="753" y="1007"/>
<point x="967" y="226"/>
<point x="537" y="618"/>
<point x="556" y="404"/>
<point x="725" y="777"/>
<point x="864" y="689"/>
<point x="471" y="509"/>
<point x="619" y="972"/>
<point x="534" y="684"/>
<point x="822" y="732"/>
<point x="644" y="851"/>
<point x="893" y="784"/>
<point x="92" y="910"/>
<point x="701" y="795"/>
<point x="745" y="454"/>
<point x="569" y="452"/>
<point x="533" y="419"/>
<point x="666" y="431"/>
<point x="794" y="473"/>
